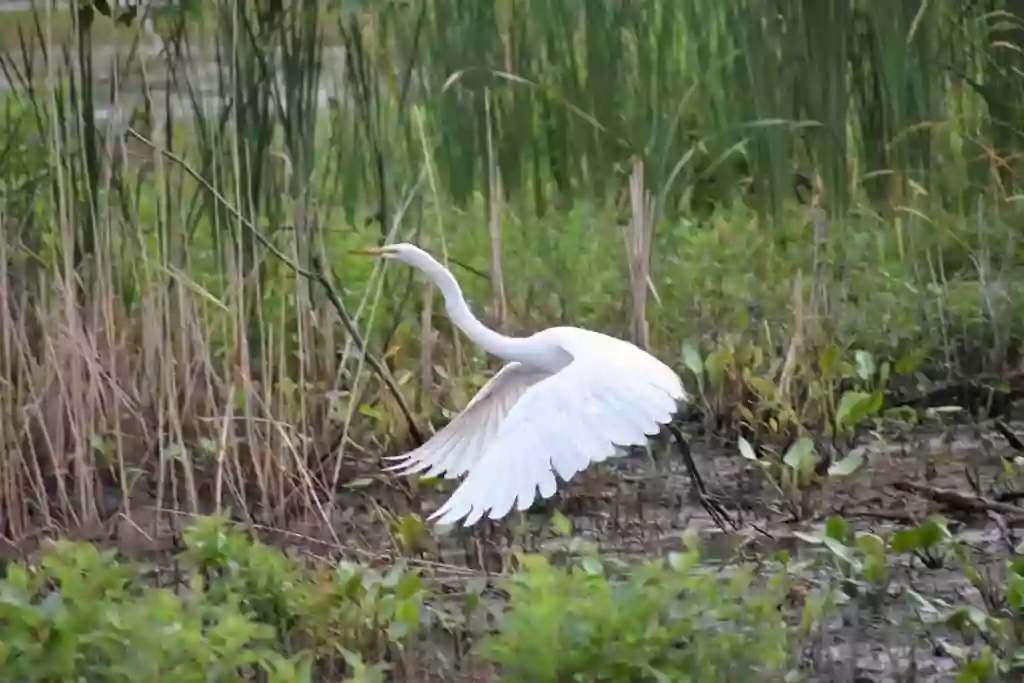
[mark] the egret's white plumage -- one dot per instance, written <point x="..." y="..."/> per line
<point x="567" y="398"/>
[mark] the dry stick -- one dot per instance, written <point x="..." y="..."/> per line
<point x="821" y="304"/>
<point x="311" y="275"/>
<point x="796" y="343"/>
<point x="638" y="253"/>
<point x="427" y="393"/>
<point x="960" y="501"/>
<point x="495" y="188"/>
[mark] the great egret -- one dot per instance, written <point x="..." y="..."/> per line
<point x="566" y="398"/>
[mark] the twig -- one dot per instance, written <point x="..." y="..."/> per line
<point x="886" y="515"/>
<point x="960" y="501"/>
<point x="1004" y="531"/>
<point x="1011" y="438"/>
<point x="796" y="342"/>
<point x="311" y="275"/>
<point x="499" y="305"/>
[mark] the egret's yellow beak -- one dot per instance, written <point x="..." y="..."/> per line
<point x="370" y="251"/>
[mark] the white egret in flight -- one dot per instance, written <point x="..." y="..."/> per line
<point x="566" y="398"/>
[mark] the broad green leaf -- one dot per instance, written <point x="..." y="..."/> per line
<point x="968" y="615"/>
<point x="838" y="528"/>
<point x="763" y="387"/>
<point x="370" y="411"/>
<point x="592" y="566"/>
<point x="828" y="361"/>
<point x="714" y="366"/>
<point x="922" y="602"/>
<point x="847" y="408"/>
<point x="840" y="550"/>
<point x="911" y="361"/>
<point x="865" y="365"/>
<point x="931" y="532"/>
<point x="809" y="538"/>
<point x="1015" y="591"/>
<point x="906" y="414"/>
<point x="693" y="362"/>
<point x="906" y="540"/>
<point x="883" y="373"/>
<point x="560" y="524"/>
<point x="854" y="406"/>
<point x="746" y="450"/>
<point x="800" y="455"/>
<point x="848" y="465"/>
<point x="870" y="544"/>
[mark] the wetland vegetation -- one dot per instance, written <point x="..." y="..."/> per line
<point x="808" y="208"/>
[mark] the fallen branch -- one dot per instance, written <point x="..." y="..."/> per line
<point x="1008" y="434"/>
<point x="992" y="393"/>
<point x="961" y="501"/>
<point x="887" y="516"/>
<point x="314" y="276"/>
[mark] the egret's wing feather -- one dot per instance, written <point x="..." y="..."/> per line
<point x="461" y="443"/>
<point x="562" y="424"/>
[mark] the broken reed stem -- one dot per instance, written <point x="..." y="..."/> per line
<point x="796" y="342"/>
<point x="638" y="253"/>
<point x="498" y="305"/>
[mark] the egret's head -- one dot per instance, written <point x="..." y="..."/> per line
<point x="403" y="251"/>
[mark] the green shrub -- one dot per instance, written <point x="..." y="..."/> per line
<point x="350" y="608"/>
<point x="666" y="620"/>
<point x="246" y="612"/>
<point x="77" y="616"/>
<point x="992" y="631"/>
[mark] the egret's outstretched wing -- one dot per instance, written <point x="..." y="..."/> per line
<point x="461" y="443"/>
<point x="562" y="424"/>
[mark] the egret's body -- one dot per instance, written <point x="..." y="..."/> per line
<point x="566" y="398"/>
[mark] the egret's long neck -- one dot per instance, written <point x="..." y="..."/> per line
<point x="509" y="348"/>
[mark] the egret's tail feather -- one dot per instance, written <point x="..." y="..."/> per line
<point x="403" y="456"/>
<point x="408" y="467"/>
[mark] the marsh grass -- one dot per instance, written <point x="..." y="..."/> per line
<point x="158" y="360"/>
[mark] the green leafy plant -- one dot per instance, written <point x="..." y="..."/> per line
<point x="859" y="559"/>
<point x="783" y="418"/>
<point x="80" y="613"/>
<point x="354" y="608"/>
<point x="930" y="542"/>
<point x="666" y="620"/>
<point x="992" y="632"/>
<point x="77" y="616"/>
